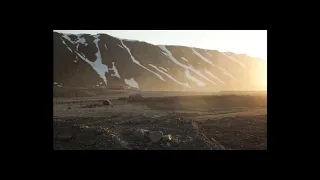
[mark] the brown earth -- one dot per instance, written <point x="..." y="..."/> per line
<point x="195" y="121"/>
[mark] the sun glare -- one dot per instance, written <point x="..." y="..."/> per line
<point x="260" y="78"/>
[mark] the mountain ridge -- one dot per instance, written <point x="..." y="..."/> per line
<point x="156" y="44"/>
<point x="101" y="60"/>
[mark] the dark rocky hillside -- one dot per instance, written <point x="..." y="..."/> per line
<point x="86" y="61"/>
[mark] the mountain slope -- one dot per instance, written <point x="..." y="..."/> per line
<point x="83" y="60"/>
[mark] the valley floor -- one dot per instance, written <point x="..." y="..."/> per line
<point x="194" y="122"/>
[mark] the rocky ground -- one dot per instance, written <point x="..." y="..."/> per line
<point x="160" y="123"/>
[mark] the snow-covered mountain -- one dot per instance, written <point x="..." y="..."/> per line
<point x="84" y="60"/>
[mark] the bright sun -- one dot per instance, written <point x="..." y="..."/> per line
<point x="260" y="78"/>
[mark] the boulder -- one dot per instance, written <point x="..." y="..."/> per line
<point x="125" y="144"/>
<point x="175" y="142"/>
<point x="141" y="134"/>
<point x="84" y="127"/>
<point x="188" y="126"/>
<point x="100" y="131"/>
<point x="107" y="103"/>
<point x="166" y="138"/>
<point x="135" y="97"/>
<point x="64" y="137"/>
<point x="188" y="121"/>
<point x="155" y="136"/>
<point x="92" y="141"/>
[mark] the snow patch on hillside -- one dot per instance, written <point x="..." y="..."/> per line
<point x="213" y="76"/>
<point x="188" y="68"/>
<point x="66" y="45"/>
<point x="202" y="57"/>
<point x="184" y="59"/>
<point x="163" y="69"/>
<point x="132" y="83"/>
<point x="228" y="74"/>
<point x="234" y="60"/>
<point x="138" y="63"/>
<point x="100" y="68"/>
<point x="197" y="81"/>
<point x="114" y="69"/>
<point x="169" y="76"/>
<point x="208" y="53"/>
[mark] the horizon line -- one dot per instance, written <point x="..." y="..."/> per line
<point x="159" y="44"/>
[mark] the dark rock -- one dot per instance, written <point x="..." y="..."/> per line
<point x="64" y="137"/>
<point x="188" y="126"/>
<point x="100" y="131"/>
<point x="188" y="121"/>
<point x="125" y="144"/>
<point x="155" y="136"/>
<point x="92" y="141"/>
<point x="84" y="127"/>
<point x="166" y="138"/>
<point x="141" y="134"/>
<point x="135" y="97"/>
<point x="175" y="142"/>
<point x="107" y="102"/>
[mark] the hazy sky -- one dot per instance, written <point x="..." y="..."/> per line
<point x="250" y="42"/>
